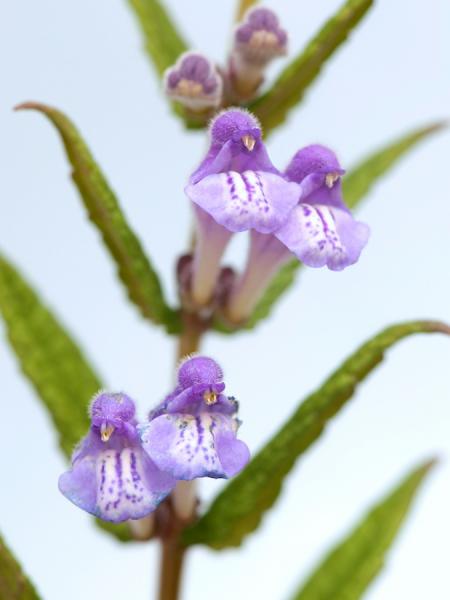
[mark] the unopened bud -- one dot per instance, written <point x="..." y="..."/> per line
<point x="258" y="40"/>
<point x="194" y="82"/>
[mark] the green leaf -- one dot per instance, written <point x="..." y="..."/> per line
<point x="162" y="41"/>
<point x="273" y="107"/>
<point x="356" y="185"/>
<point x="134" y="268"/>
<point x="48" y="356"/>
<point x="121" y="531"/>
<point x="53" y="362"/>
<point x="243" y="7"/>
<point x="238" y="510"/>
<point x="354" y="563"/>
<point x="14" y="584"/>
<point x="363" y="176"/>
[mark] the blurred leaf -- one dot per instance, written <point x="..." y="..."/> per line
<point x="162" y="41"/>
<point x="164" y="45"/>
<point x="121" y="531"/>
<point x="352" y="565"/>
<point x="356" y="186"/>
<point x="135" y="270"/>
<point x="243" y="7"/>
<point x="273" y="107"/>
<point x="52" y="362"/>
<point x="48" y="356"/>
<point x="239" y="508"/>
<point x="362" y="177"/>
<point x="14" y="584"/>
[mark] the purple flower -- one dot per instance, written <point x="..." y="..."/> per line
<point x="111" y="476"/>
<point x="236" y="188"/>
<point x="194" y="82"/>
<point x="266" y="256"/>
<point x="258" y="40"/>
<point x="193" y="432"/>
<point x="319" y="231"/>
<point x="237" y="184"/>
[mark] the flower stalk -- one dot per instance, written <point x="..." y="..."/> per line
<point x="184" y="496"/>
<point x="172" y="559"/>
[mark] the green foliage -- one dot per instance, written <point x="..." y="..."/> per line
<point x="362" y="177"/>
<point x="353" y="564"/>
<point x="14" y="585"/>
<point x="238" y="510"/>
<point x="162" y="41"/>
<point x="356" y="185"/>
<point x="120" y="531"/>
<point x="243" y="7"/>
<point x="134" y="268"/>
<point x="53" y="363"/>
<point x="287" y="91"/>
<point x="48" y="356"/>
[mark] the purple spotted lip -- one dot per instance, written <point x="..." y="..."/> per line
<point x="237" y="184"/>
<point x="321" y="230"/>
<point x="111" y="476"/>
<point x="235" y="188"/>
<point x="122" y="470"/>
<point x="193" y="433"/>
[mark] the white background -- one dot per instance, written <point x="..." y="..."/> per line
<point x="86" y="58"/>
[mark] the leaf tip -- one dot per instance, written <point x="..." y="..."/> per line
<point x="427" y="466"/>
<point x="435" y="127"/>
<point x="31" y="105"/>
<point x="438" y="327"/>
<point x="431" y="463"/>
<point x="438" y="125"/>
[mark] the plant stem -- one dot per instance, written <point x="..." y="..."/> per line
<point x="190" y="337"/>
<point x="171" y="568"/>
<point x="172" y="551"/>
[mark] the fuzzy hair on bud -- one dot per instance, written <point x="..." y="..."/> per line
<point x="194" y="82"/>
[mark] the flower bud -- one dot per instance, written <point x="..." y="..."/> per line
<point x="258" y="40"/>
<point x="194" y="82"/>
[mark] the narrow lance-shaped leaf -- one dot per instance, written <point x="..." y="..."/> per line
<point x="14" y="584"/>
<point x="163" y="42"/>
<point x="356" y="186"/>
<point x="238" y="510"/>
<point x="352" y="565"/>
<point x="135" y="270"/>
<point x="243" y="7"/>
<point x="52" y="361"/>
<point x="273" y="107"/>
<point x="364" y="175"/>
